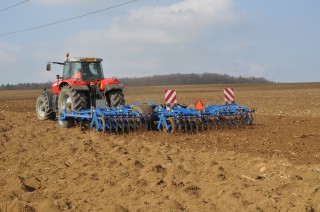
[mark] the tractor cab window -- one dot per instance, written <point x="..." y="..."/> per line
<point x="83" y="71"/>
<point x="66" y="71"/>
<point x="92" y="71"/>
<point x="72" y="71"/>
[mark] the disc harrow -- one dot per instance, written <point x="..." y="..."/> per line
<point x="118" y="120"/>
<point x="212" y="117"/>
<point x="128" y="119"/>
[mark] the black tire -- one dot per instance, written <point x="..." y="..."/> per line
<point x="43" y="109"/>
<point x="74" y="99"/>
<point x="115" y="98"/>
<point x="144" y="109"/>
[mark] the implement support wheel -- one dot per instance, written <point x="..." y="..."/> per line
<point x="170" y="122"/>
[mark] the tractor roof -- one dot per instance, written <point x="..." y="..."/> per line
<point x="83" y="59"/>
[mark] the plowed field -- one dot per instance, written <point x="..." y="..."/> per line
<point x="271" y="166"/>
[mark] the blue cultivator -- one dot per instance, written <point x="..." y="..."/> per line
<point x="143" y="117"/>
<point x="211" y="117"/>
<point x="123" y="119"/>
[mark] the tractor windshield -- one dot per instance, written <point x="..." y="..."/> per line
<point x="83" y="71"/>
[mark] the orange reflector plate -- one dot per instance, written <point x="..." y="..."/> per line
<point x="199" y="105"/>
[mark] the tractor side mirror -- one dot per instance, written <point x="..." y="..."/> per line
<point x="48" y="67"/>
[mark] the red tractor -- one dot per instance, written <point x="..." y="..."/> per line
<point x="81" y="84"/>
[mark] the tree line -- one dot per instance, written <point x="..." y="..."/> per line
<point x="190" y="79"/>
<point x="158" y="80"/>
<point x="25" y="86"/>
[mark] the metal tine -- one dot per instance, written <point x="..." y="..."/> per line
<point x="220" y="123"/>
<point x="117" y="129"/>
<point x="140" y="125"/>
<point x="149" y="127"/>
<point x="122" y="125"/>
<point x="229" y="122"/>
<point x="150" y="124"/>
<point x="145" y="125"/>
<point x="110" y="125"/>
<point x="206" y="126"/>
<point x="198" y="122"/>
<point x="137" y="124"/>
<point x="185" y="124"/>
<point x="127" y="124"/>
<point x="224" y="122"/>
<point x="131" y="124"/>
<point x="232" y="122"/>
<point x="215" y="121"/>
<point x="195" y="125"/>
<point x="190" y="125"/>
<point x="195" y="121"/>
<point x="202" y="124"/>
<point x="179" y="124"/>
<point x="235" y="122"/>
<point x="134" y="124"/>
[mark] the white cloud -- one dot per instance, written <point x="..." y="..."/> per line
<point x="174" y="23"/>
<point x="159" y="39"/>
<point x="167" y="24"/>
<point x="185" y="14"/>
<point x="146" y="41"/>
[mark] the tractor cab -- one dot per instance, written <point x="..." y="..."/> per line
<point x="83" y="69"/>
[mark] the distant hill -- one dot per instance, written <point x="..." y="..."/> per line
<point x="158" y="80"/>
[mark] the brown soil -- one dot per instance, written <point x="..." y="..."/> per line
<point x="271" y="166"/>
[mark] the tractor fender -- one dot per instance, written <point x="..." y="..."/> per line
<point x="113" y="87"/>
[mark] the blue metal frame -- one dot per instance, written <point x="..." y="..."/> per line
<point x="122" y="119"/>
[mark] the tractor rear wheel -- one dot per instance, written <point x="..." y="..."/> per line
<point x="43" y="108"/>
<point x="73" y="99"/>
<point x="115" y="98"/>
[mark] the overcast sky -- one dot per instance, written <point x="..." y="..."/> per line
<point x="278" y="40"/>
